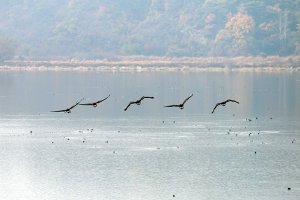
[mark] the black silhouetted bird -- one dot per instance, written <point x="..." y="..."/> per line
<point x="68" y="110"/>
<point x="94" y="103"/>
<point x="224" y="103"/>
<point x="181" y="106"/>
<point x="138" y="102"/>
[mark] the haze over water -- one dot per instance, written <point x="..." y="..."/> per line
<point x="149" y="152"/>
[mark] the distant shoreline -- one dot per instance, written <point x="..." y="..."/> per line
<point x="163" y="64"/>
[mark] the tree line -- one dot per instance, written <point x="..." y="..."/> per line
<point x="104" y="28"/>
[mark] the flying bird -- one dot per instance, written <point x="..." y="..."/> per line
<point x="94" y="103"/>
<point x="138" y="102"/>
<point x="181" y="106"/>
<point x="68" y="110"/>
<point x="224" y="103"/>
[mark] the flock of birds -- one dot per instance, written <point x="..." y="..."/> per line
<point x="138" y="102"/>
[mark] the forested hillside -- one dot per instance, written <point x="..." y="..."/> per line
<point x="105" y="28"/>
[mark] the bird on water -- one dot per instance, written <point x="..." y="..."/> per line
<point x="68" y="110"/>
<point x="181" y="106"/>
<point x="94" y="103"/>
<point x="138" y="102"/>
<point x="224" y="103"/>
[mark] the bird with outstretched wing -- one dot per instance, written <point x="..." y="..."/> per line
<point x="181" y="106"/>
<point x="94" y="103"/>
<point x="68" y="110"/>
<point x="224" y="103"/>
<point x="138" y="102"/>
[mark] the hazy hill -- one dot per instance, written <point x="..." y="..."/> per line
<point x="104" y="28"/>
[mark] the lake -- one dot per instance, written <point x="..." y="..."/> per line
<point x="243" y="151"/>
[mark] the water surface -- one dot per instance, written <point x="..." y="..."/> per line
<point x="149" y="152"/>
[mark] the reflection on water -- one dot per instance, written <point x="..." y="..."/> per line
<point x="149" y="152"/>
<point x="35" y="93"/>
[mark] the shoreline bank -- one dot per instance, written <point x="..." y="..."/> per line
<point x="164" y="64"/>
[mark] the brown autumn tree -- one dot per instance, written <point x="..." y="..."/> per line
<point x="236" y="36"/>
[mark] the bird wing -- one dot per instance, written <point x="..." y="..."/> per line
<point x="128" y="105"/>
<point x="86" y="104"/>
<point x="215" y="107"/>
<point x="232" y="101"/>
<point x="173" y="106"/>
<point x="59" y="110"/>
<point x="147" y="97"/>
<point x="75" y="104"/>
<point x="144" y="97"/>
<point x="186" y="99"/>
<point x="102" y="99"/>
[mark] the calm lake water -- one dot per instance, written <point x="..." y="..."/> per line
<point x="149" y="152"/>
